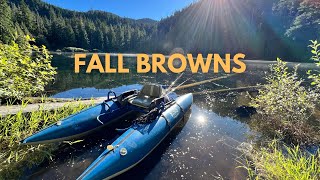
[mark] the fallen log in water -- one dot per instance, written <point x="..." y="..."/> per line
<point x="14" y="109"/>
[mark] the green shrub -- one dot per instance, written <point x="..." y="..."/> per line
<point x="315" y="75"/>
<point x="25" y="69"/>
<point x="276" y="162"/>
<point x="284" y="107"/>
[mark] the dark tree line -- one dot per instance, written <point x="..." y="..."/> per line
<point x="57" y="28"/>
<point x="262" y="29"/>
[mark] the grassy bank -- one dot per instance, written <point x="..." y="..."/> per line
<point x="13" y="128"/>
<point x="288" y="112"/>
<point x="283" y="162"/>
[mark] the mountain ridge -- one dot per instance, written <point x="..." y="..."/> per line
<point x="260" y="29"/>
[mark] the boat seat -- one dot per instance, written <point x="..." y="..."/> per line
<point x="147" y="95"/>
<point x="124" y="98"/>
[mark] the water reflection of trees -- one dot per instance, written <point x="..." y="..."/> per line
<point x="67" y="79"/>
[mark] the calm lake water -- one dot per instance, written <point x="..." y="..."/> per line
<point x="203" y="146"/>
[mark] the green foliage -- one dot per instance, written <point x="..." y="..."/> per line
<point x="300" y="17"/>
<point x="306" y="24"/>
<point x="282" y="163"/>
<point x="287" y="8"/>
<point x="285" y="107"/>
<point x="25" y="69"/>
<point x="315" y="50"/>
<point x="13" y="128"/>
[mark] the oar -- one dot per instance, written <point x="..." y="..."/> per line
<point x="202" y="82"/>
<point x="168" y="90"/>
<point x="230" y="89"/>
<point x="174" y="82"/>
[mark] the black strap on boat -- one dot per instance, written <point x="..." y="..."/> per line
<point x="146" y="118"/>
<point x="173" y="103"/>
<point x="107" y="105"/>
<point x="168" y="122"/>
<point x="180" y="107"/>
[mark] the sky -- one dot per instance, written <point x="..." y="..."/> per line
<point x="136" y="9"/>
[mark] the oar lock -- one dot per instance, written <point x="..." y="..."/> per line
<point x="123" y="151"/>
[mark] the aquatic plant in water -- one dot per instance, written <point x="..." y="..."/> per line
<point x="315" y="75"/>
<point x="285" y="107"/>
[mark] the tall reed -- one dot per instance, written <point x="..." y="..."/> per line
<point x="13" y="128"/>
<point x="282" y="162"/>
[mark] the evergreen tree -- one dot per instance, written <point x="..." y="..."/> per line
<point x="83" y="39"/>
<point x="71" y="38"/>
<point x="26" y="17"/>
<point x="112" y="39"/>
<point x="6" y="24"/>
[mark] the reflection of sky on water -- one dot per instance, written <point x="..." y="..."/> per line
<point x="86" y="93"/>
<point x="203" y="149"/>
<point x="93" y="92"/>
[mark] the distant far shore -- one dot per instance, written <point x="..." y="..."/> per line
<point x="267" y="61"/>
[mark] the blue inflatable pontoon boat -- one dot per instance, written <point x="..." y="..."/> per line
<point x="152" y="115"/>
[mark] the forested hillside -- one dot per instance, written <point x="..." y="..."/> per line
<point x="262" y="29"/>
<point x="57" y="28"/>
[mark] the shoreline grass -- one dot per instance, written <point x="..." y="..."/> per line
<point x="282" y="162"/>
<point x="14" y="159"/>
